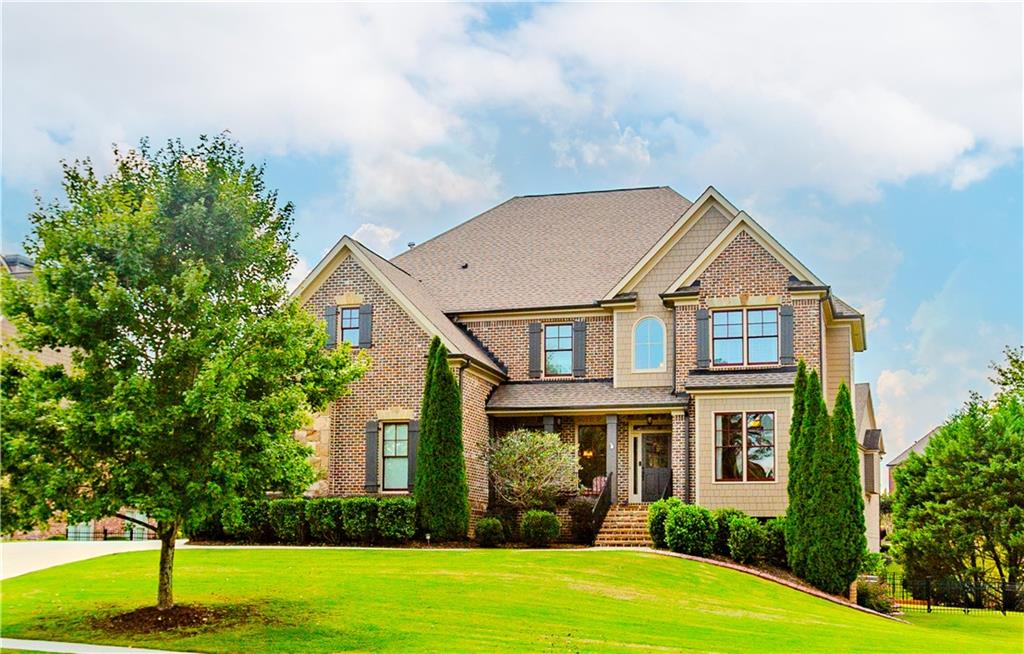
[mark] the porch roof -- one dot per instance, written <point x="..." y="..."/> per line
<point x="728" y="379"/>
<point x="579" y="395"/>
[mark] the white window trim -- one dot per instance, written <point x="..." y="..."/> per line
<point x="341" y="322"/>
<point x="544" y="349"/>
<point x="664" y="346"/>
<point x="743" y="329"/>
<point x="380" y="457"/>
<point x="714" y="450"/>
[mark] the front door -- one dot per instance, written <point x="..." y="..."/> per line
<point x="650" y="466"/>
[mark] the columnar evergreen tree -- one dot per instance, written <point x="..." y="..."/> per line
<point x="192" y="368"/>
<point x="441" y="490"/>
<point x="836" y="510"/>
<point x="797" y="471"/>
<point x="813" y="429"/>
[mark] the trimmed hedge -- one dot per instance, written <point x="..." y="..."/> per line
<point x="325" y="521"/>
<point x="253" y="522"/>
<point x="489" y="532"/>
<point x="746" y="539"/>
<point x="396" y="519"/>
<point x="775" y="543"/>
<point x="540" y="527"/>
<point x="656" y="516"/>
<point x="288" y="520"/>
<point x="359" y="518"/>
<point x="722" y="519"/>
<point x="690" y="529"/>
<point x="581" y="512"/>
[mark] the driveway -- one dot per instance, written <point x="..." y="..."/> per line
<point x="20" y="557"/>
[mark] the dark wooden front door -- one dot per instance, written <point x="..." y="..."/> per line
<point x="657" y="465"/>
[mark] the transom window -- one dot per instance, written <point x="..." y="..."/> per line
<point x="745" y="446"/>
<point x="557" y="349"/>
<point x="649" y="345"/>
<point x="732" y="345"/>
<point x="593" y="453"/>
<point x="350" y="326"/>
<point x="396" y="456"/>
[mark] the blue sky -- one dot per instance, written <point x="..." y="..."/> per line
<point x="890" y="165"/>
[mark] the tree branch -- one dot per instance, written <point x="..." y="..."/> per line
<point x="136" y="521"/>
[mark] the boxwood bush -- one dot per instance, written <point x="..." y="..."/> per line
<point x="325" y="521"/>
<point x="690" y="529"/>
<point x="656" y="519"/>
<point x="489" y="532"/>
<point x="251" y="523"/>
<point x="396" y="519"/>
<point x="874" y="596"/>
<point x="775" y="543"/>
<point x="359" y="518"/>
<point x="539" y="528"/>
<point x="746" y="539"/>
<point x="288" y="520"/>
<point x="722" y="518"/>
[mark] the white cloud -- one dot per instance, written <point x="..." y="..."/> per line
<point x="401" y="181"/>
<point x="622" y="148"/>
<point x="378" y="238"/>
<point x="950" y="347"/>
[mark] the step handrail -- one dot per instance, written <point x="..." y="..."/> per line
<point x="604" y="502"/>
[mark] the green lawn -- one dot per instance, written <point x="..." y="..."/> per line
<point x="313" y="600"/>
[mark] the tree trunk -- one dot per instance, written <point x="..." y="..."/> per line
<point x="165" y="592"/>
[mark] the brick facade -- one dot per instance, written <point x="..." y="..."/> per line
<point x="508" y="341"/>
<point x="475" y="435"/>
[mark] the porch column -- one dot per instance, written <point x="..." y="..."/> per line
<point x="549" y="424"/>
<point x="611" y="458"/>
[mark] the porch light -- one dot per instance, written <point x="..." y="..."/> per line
<point x="588" y="454"/>
<point x="650" y="420"/>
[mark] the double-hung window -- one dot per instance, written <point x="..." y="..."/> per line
<point x="745" y="446"/>
<point x="557" y="350"/>
<point x="396" y="456"/>
<point x="350" y="326"/>
<point x="749" y="336"/>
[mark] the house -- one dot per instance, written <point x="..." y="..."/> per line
<point x="871" y="449"/>
<point x="659" y="335"/>
<point x="917" y="447"/>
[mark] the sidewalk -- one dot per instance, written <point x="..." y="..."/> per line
<point x="78" y="648"/>
<point x="20" y="557"/>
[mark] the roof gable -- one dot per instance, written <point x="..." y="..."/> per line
<point x="740" y="224"/>
<point x="708" y="199"/>
<point x="405" y="290"/>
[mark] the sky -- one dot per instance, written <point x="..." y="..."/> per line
<point x="882" y="144"/>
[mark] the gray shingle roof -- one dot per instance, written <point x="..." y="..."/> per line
<point x="918" y="447"/>
<point x="414" y="291"/>
<point x="843" y="310"/>
<point x="540" y="251"/>
<point x="713" y="379"/>
<point x="872" y="439"/>
<point x="582" y="394"/>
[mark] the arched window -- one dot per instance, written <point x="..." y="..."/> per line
<point x="649" y="344"/>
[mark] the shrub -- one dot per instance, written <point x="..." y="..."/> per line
<point x="209" y="529"/>
<point x="530" y="469"/>
<point x="251" y="522"/>
<point x="873" y="563"/>
<point x="396" y="519"/>
<point x="509" y="518"/>
<point x="746" y="539"/>
<point x="690" y="529"/>
<point x="722" y="519"/>
<point x="581" y="511"/>
<point x="775" y="543"/>
<point x="288" y="520"/>
<point x="489" y="532"/>
<point x="874" y="596"/>
<point x="324" y="519"/>
<point x="656" y="519"/>
<point x="540" y="527"/>
<point x="359" y="518"/>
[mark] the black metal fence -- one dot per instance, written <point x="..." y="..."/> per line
<point x="951" y="594"/>
<point x="80" y="533"/>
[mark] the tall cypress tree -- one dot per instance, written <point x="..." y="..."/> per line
<point x="441" y="490"/>
<point x="838" y="536"/>
<point x="813" y="430"/>
<point x="797" y="472"/>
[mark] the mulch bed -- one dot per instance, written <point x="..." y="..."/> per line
<point x="182" y="616"/>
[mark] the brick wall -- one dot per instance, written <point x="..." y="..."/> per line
<point x="395" y="380"/>
<point x="508" y="340"/>
<point x="475" y="434"/>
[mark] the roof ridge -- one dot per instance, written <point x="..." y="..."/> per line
<point x="603" y="190"/>
<point x="453" y="228"/>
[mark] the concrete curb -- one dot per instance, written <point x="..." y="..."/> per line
<point x="78" y="648"/>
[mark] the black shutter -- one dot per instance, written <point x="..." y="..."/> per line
<point x="371" y="485"/>
<point x="366" y="325"/>
<point x="331" y="316"/>
<point x="535" y="332"/>
<point x="579" y="348"/>
<point x="786" y="336"/>
<point x="703" y="339"/>
<point x="414" y="441"/>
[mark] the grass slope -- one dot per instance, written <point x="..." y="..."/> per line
<point x="434" y="600"/>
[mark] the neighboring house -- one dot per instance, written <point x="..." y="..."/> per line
<point x="659" y="335"/>
<point x="917" y="447"/>
<point x="871" y="449"/>
<point x="20" y="267"/>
